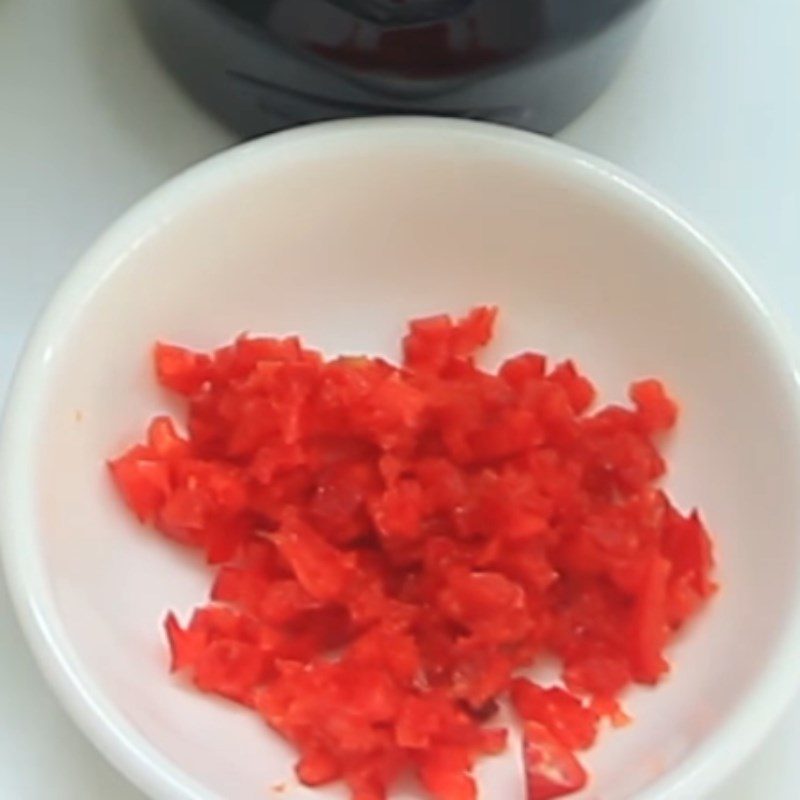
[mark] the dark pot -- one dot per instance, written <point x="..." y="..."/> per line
<point x="262" y="65"/>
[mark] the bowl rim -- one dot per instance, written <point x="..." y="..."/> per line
<point x="107" y="728"/>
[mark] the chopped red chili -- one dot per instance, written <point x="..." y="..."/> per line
<point x="395" y="545"/>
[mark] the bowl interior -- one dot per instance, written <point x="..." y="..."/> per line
<point x="343" y="237"/>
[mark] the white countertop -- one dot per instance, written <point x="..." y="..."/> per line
<point x="707" y="111"/>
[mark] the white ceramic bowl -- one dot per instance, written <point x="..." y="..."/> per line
<point x="342" y="232"/>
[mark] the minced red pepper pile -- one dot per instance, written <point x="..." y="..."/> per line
<point x="394" y="545"/>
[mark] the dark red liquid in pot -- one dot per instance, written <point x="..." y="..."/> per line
<point x="266" y="64"/>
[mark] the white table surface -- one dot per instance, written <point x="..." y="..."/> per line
<point x="707" y="111"/>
